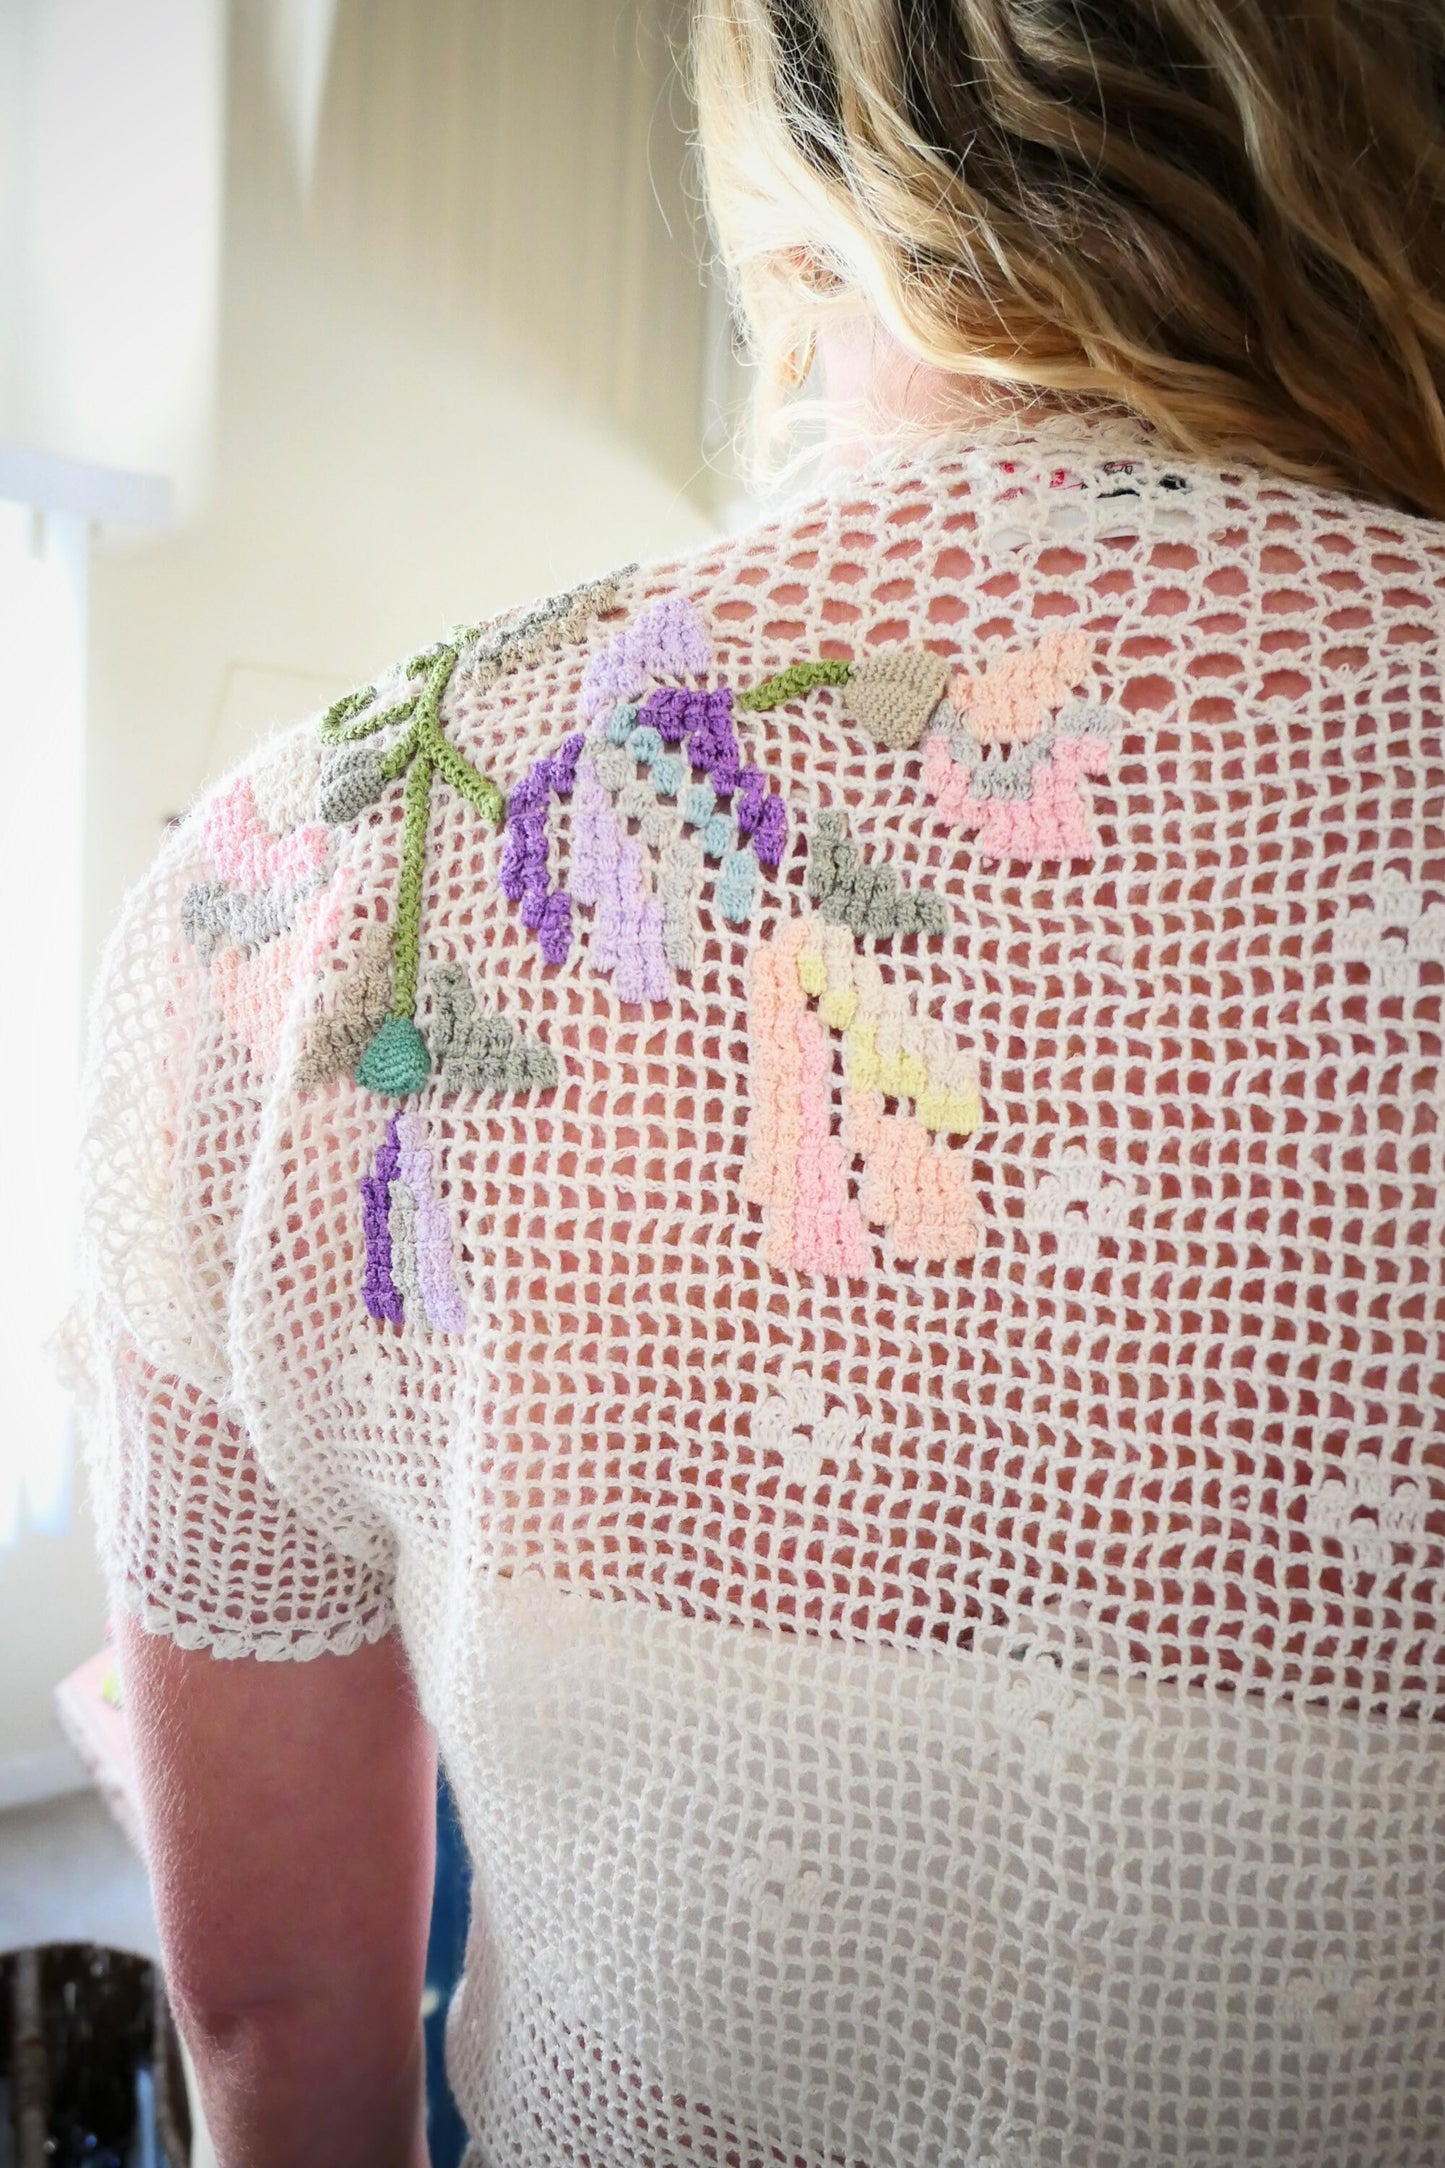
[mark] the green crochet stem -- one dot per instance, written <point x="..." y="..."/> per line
<point x="422" y="751"/>
<point x="406" y="938"/>
<point x="798" y="678"/>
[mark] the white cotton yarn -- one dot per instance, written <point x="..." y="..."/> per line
<point x="982" y="1713"/>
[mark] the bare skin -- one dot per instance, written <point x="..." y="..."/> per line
<point x="289" y="1811"/>
<point x="876" y="390"/>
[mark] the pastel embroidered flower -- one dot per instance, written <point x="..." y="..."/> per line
<point x="408" y="1275"/>
<point x="397" y="1062"/>
<point x="1024" y="800"/>
<point x="661" y="756"/>
<point x="255" y="925"/>
<point x="264" y="876"/>
<point x="913" y="1185"/>
<point x="249" y="855"/>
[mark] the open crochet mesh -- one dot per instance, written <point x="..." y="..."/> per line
<point x="982" y="1709"/>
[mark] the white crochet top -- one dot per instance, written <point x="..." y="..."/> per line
<point x="862" y="1277"/>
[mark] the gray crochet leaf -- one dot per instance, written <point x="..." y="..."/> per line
<point x="351" y="780"/>
<point x="476" y="1050"/>
<point x="214" y="916"/>
<point x="868" y="899"/>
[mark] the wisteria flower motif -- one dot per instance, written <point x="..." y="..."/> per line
<point x="660" y="789"/>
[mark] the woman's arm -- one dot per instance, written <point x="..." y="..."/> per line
<point x="290" y="1816"/>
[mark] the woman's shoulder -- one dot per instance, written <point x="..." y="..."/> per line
<point x="963" y="555"/>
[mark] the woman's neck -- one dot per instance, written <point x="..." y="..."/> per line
<point x="876" y="393"/>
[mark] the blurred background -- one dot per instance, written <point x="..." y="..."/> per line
<point x="324" y="325"/>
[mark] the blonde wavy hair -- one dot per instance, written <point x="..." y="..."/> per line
<point x="1227" y="216"/>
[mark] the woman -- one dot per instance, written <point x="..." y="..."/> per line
<point x="846" y="1307"/>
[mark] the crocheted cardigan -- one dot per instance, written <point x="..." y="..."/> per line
<point x="821" y="1171"/>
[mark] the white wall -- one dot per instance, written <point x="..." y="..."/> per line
<point x="373" y="479"/>
<point x="110" y="209"/>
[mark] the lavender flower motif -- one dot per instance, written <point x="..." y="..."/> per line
<point x="656" y="723"/>
<point x="379" y="1289"/>
<point x="667" y="641"/>
<point x="608" y="873"/>
<point x="546" y="911"/>
<point x="408" y="1276"/>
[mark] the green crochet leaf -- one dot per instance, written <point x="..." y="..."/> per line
<point x="396" y="1062"/>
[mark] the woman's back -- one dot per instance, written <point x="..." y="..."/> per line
<point x="865" y="1283"/>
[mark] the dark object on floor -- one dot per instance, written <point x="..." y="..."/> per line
<point x="88" y="2054"/>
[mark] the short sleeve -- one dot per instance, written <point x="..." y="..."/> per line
<point x="197" y="1541"/>
<point x="199" y="1545"/>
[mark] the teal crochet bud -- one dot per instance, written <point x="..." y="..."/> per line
<point x="396" y="1062"/>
